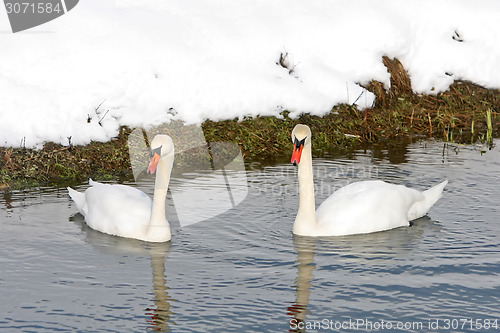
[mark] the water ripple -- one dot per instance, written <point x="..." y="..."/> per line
<point x="244" y="270"/>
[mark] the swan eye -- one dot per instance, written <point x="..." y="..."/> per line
<point x="298" y="143"/>
<point x="155" y="151"/>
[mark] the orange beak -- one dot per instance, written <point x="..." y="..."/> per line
<point x="297" y="150"/>
<point x="154" y="163"/>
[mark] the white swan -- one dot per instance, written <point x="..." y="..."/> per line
<point x="126" y="211"/>
<point x="361" y="207"/>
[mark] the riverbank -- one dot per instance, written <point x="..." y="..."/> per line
<point x="465" y="113"/>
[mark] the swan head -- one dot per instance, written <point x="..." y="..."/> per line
<point x="161" y="147"/>
<point x="301" y="136"/>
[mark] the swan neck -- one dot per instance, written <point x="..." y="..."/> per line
<point x="162" y="180"/>
<point x="306" y="215"/>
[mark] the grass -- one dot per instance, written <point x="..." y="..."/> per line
<point x="466" y="113"/>
<point x="489" y="133"/>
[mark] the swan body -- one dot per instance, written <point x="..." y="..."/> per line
<point x="125" y="211"/>
<point x="358" y="208"/>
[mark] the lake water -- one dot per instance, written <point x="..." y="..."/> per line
<point x="244" y="271"/>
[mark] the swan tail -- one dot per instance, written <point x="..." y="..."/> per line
<point x="79" y="199"/>
<point x="431" y="196"/>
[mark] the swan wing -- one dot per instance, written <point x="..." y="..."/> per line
<point x="365" y="207"/>
<point x="117" y="209"/>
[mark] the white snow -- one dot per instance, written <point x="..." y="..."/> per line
<point x="151" y="61"/>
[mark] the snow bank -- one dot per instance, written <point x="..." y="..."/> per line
<point x="142" y="63"/>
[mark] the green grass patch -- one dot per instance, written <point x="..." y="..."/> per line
<point x="466" y="113"/>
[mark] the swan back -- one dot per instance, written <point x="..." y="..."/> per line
<point x="117" y="209"/>
<point x="365" y="207"/>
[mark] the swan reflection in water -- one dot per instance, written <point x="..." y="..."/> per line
<point x="305" y="247"/>
<point x="159" y="314"/>
<point x="348" y="253"/>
